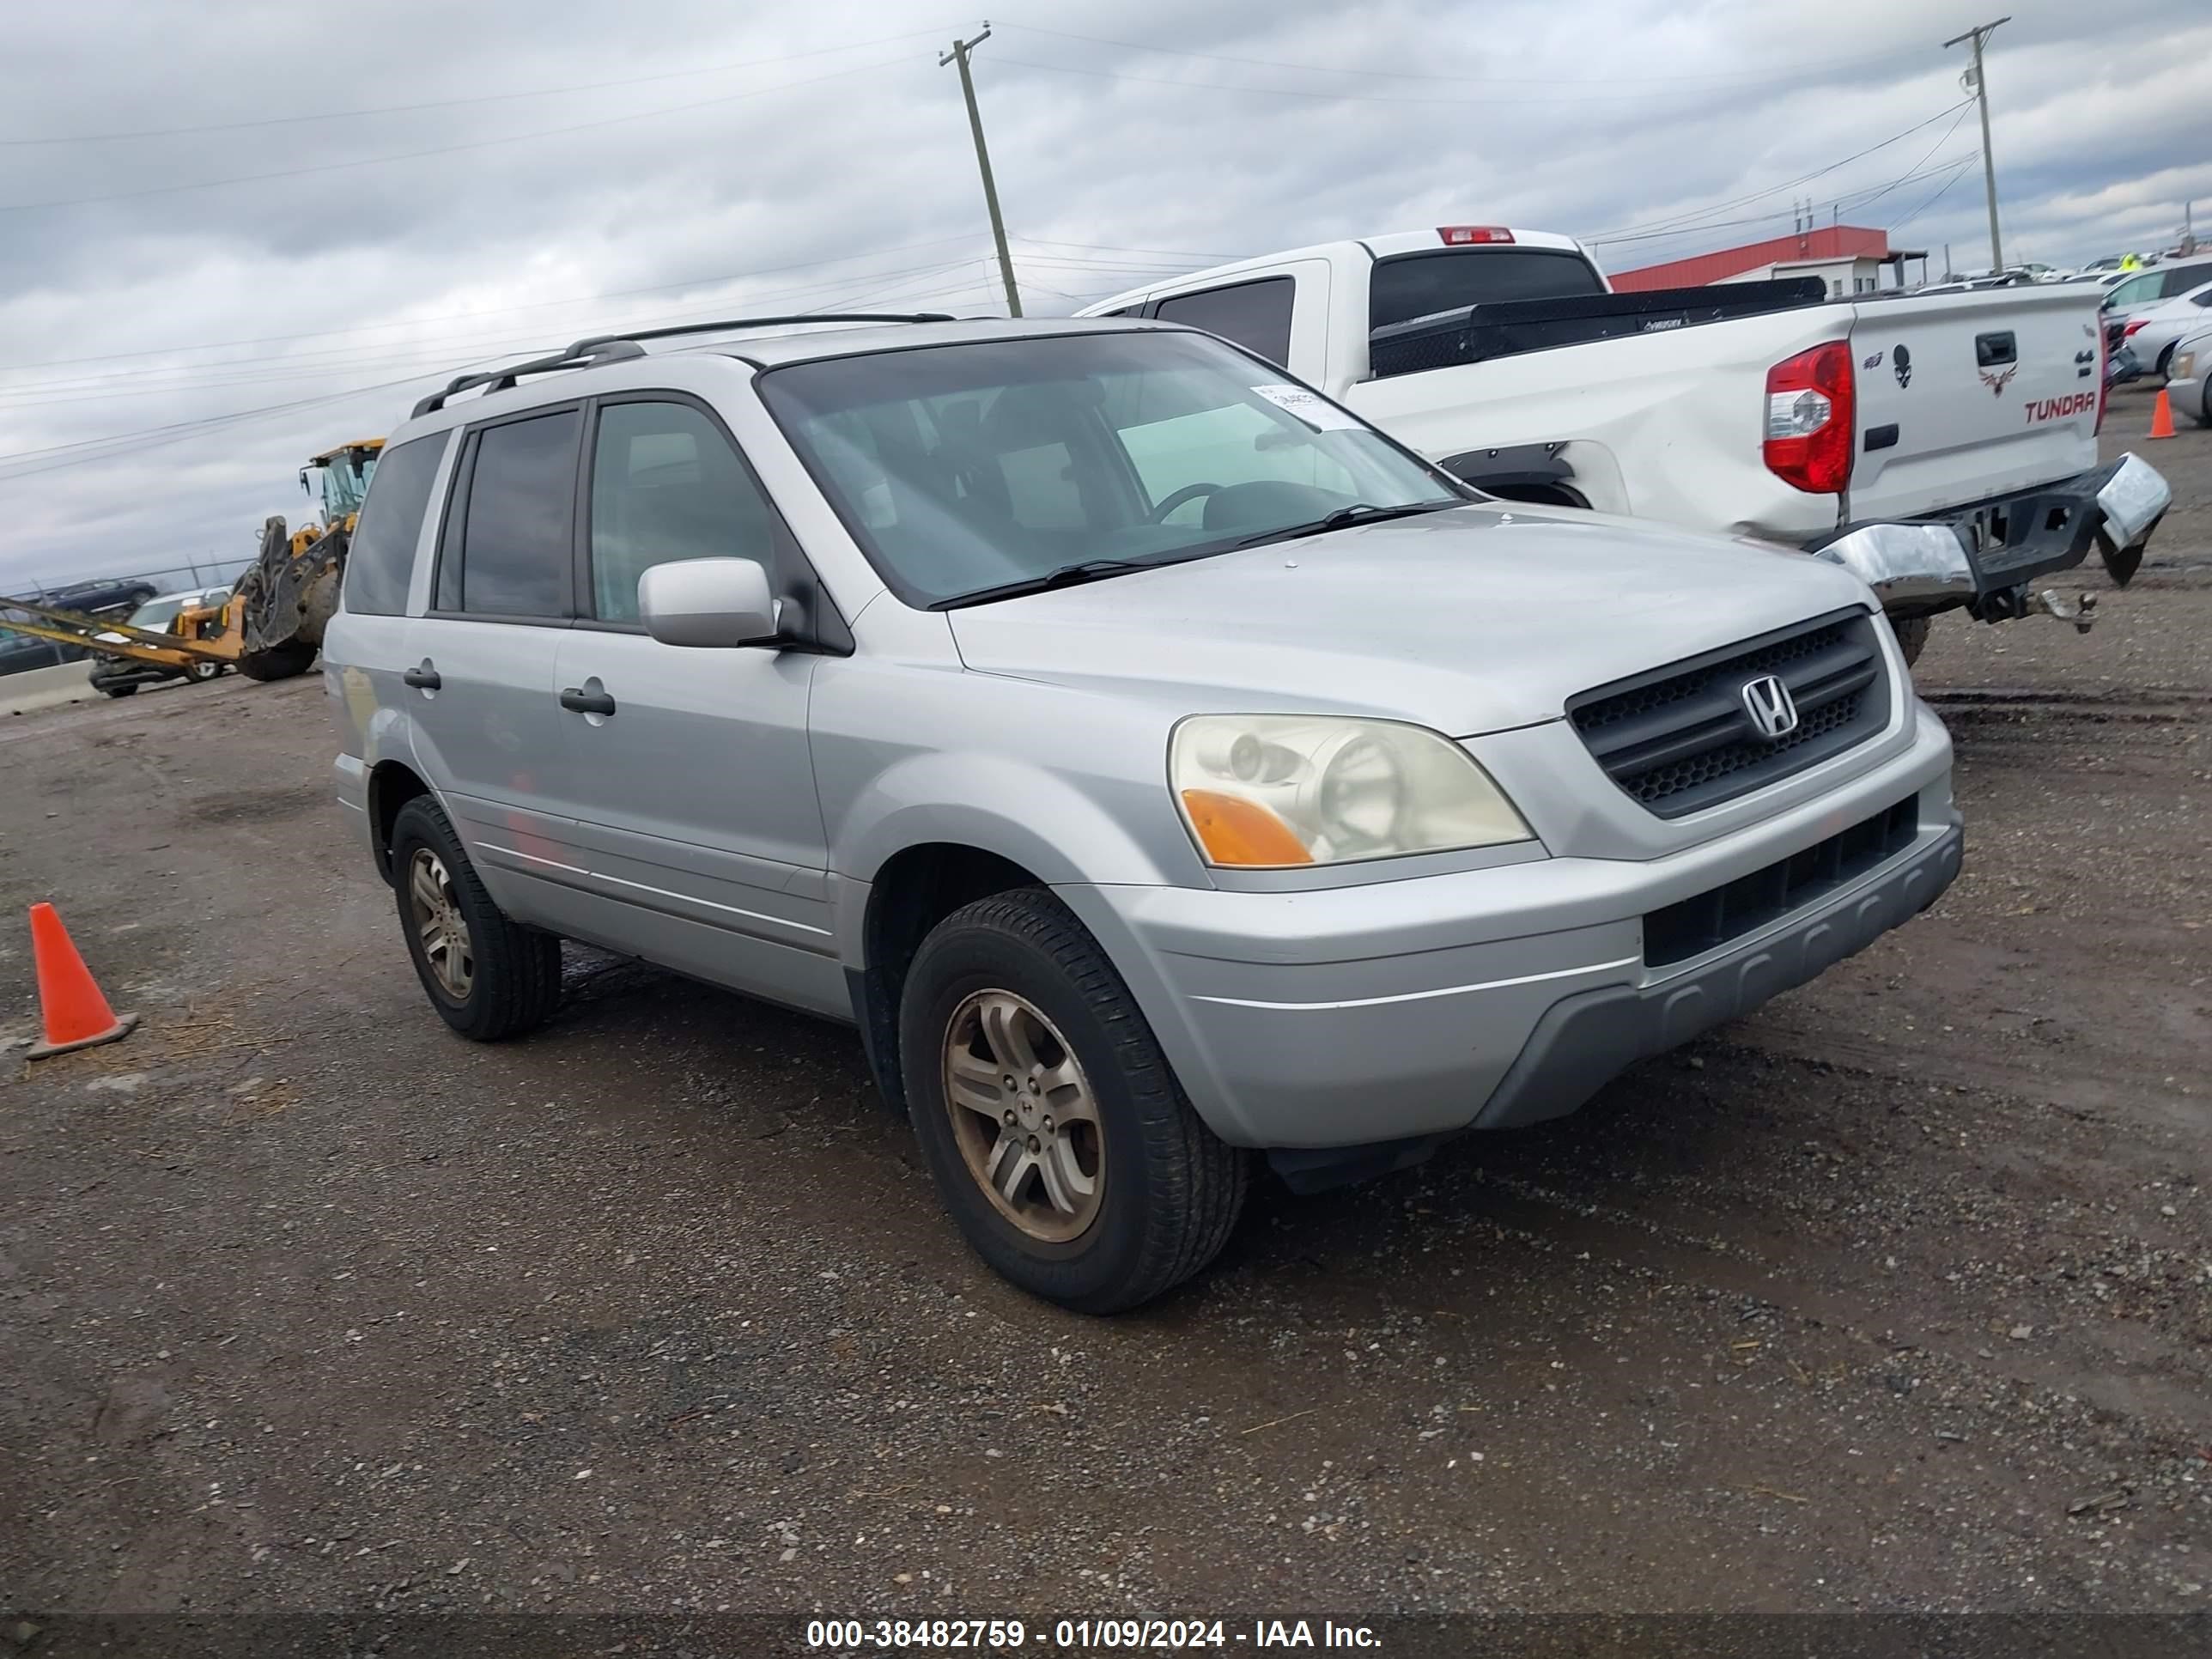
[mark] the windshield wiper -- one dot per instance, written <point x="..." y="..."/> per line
<point x="1068" y="575"/>
<point x="1344" y="517"/>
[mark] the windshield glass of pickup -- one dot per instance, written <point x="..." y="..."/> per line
<point x="963" y="469"/>
<point x="1409" y="285"/>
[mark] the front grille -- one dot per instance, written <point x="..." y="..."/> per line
<point x="1711" y="919"/>
<point x="1680" y="738"/>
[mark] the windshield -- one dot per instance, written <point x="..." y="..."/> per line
<point x="156" y="615"/>
<point x="345" y="481"/>
<point x="964" y="468"/>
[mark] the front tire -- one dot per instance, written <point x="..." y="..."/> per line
<point x="488" y="977"/>
<point x="1912" y="636"/>
<point x="201" y="670"/>
<point x="1058" y="1136"/>
<point x="130" y="690"/>
<point x="277" y="662"/>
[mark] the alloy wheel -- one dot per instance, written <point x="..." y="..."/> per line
<point x="440" y="924"/>
<point x="1025" y="1116"/>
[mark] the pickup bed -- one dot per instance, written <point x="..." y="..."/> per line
<point x="1944" y="446"/>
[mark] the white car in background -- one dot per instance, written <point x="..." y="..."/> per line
<point x="2153" y="334"/>
<point x="2189" y="377"/>
<point x="2141" y="291"/>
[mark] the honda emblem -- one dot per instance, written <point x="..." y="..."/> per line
<point x="1767" y="701"/>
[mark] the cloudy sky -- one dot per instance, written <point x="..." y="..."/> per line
<point x="231" y="233"/>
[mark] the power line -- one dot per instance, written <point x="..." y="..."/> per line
<point x="176" y="431"/>
<point x="457" y="103"/>
<point x="1849" y="199"/>
<point x="338" y="358"/>
<point x="1828" y="65"/>
<point x="1959" y="173"/>
<point x="1922" y="162"/>
<point x="445" y="149"/>
<point x="1685" y="221"/>
<point x="499" y="311"/>
<point x="1330" y="97"/>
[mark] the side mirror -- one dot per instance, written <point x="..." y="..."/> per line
<point x="708" y="602"/>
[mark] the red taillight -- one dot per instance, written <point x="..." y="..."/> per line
<point x="2129" y="333"/>
<point x="1810" y="419"/>
<point x="1472" y="235"/>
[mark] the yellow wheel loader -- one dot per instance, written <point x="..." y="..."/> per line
<point x="271" y="625"/>
<point x="278" y="609"/>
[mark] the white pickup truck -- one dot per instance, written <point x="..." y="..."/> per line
<point x="1944" y="447"/>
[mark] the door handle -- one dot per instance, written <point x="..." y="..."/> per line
<point x="582" y="702"/>
<point x="424" y="679"/>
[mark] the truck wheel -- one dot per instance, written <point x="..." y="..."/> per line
<point x="1057" y="1134"/>
<point x="488" y="977"/>
<point x="202" y="670"/>
<point x="278" y="662"/>
<point x="128" y="690"/>
<point x="1912" y="636"/>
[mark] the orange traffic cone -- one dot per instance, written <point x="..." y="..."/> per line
<point x="2161" y="416"/>
<point x="77" y="1015"/>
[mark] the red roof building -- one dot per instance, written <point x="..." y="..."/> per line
<point x="1840" y="248"/>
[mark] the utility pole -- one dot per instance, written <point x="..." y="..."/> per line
<point x="959" y="55"/>
<point x="1980" y="82"/>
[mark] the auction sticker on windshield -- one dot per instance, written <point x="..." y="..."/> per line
<point x="1316" y="411"/>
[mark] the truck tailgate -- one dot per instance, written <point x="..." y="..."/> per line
<point x="1964" y="397"/>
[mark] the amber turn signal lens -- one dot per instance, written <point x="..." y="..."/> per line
<point x="1235" y="831"/>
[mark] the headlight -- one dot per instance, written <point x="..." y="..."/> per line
<point x="1273" y="790"/>
<point x="2185" y="366"/>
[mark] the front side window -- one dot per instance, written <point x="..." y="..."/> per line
<point x="965" y="468"/>
<point x="515" y="550"/>
<point x="667" y="486"/>
<point x="381" y="557"/>
<point x="2136" y="289"/>
<point x="1256" y="315"/>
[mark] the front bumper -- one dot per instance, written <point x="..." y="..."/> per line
<point x="1982" y="556"/>
<point x="1383" y="1017"/>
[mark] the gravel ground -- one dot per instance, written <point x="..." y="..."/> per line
<point x="1897" y="1296"/>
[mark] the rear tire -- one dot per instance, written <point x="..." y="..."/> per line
<point x="1162" y="1194"/>
<point x="1912" y="636"/>
<point x="278" y="662"/>
<point x="488" y="977"/>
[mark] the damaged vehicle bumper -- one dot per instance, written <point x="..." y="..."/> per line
<point x="1986" y="557"/>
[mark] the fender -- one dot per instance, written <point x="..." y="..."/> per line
<point x="1032" y="817"/>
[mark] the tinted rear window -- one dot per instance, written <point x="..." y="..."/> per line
<point x="382" y="557"/>
<point x="1408" y="285"/>
<point x="1256" y="315"/>
<point x="516" y="550"/>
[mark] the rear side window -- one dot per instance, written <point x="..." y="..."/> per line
<point x="1409" y="285"/>
<point x="2179" y="279"/>
<point x="382" y="555"/>
<point x="515" y="550"/>
<point x="667" y="486"/>
<point x="1256" y="315"/>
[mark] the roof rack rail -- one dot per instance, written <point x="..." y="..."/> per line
<point x="596" y="341"/>
<point x="616" y="347"/>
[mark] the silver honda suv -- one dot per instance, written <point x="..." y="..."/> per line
<point x="1159" y="766"/>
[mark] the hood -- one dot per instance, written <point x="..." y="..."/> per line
<point x="1470" y="620"/>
